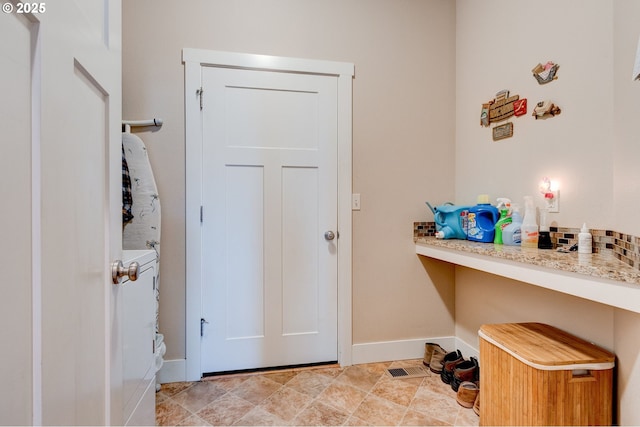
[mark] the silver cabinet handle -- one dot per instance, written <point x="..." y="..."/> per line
<point x="118" y="271"/>
<point x="329" y="235"/>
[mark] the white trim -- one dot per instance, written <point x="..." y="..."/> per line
<point x="36" y="224"/>
<point x="172" y="371"/>
<point x="466" y="349"/>
<point x="194" y="59"/>
<point x="386" y="351"/>
<point x="266" y="62"/>
<point x="344" y="242"/>
<point x="193" y="198"/>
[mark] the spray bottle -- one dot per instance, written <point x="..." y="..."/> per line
<point x="504" y="206"/>
<point x="511" y="234"/>
<point x="529" y="225"/>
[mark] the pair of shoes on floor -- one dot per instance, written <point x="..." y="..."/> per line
<point x="450" y="361"/>
<point x="452" y="367"/>
<point x="456" y="369"/>
<point x="433" y="357"/>
<point x="467" y="370"/>
<point x="468" y="396"/>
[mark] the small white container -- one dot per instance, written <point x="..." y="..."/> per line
<point x="529" y="234"/>
<point x="585" y="240"/>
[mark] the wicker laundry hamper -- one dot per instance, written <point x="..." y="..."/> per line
<point x="536" y="374"/>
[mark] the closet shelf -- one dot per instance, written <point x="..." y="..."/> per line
<point x="596" y="277"/>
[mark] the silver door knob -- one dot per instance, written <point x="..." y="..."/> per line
<point x="329" y="235"/>
<point x="118" y="271"/>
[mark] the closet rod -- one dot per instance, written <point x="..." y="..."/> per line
<point x="134" y="123"/>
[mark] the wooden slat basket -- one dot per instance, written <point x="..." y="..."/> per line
<point x="536" y="374"/>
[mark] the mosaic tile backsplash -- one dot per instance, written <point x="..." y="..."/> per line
<point x="624" y="247"/>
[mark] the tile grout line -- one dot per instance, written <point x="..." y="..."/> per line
<point x="304" y="407"/>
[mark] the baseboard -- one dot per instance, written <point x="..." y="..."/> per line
<point x="406" y="349"/>
<point x="467" y="350"/>
<point x="396" y="350"/>
<point x="172" y="371"/>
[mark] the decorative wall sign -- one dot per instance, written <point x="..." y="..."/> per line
<point x="545" y="109"/>
<point x="500" y="108"/>
<point x="520" y="107"/>
<point x="484" y="114"/>
<point x="545" y="73"/>
<point x="503" y="131"/>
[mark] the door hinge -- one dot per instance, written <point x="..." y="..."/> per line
<point x="199" y="92"/>
<point x="202" y="322"/>
<point x="201" y="215"/>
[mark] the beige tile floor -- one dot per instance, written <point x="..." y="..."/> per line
<point x="359" y="395"/>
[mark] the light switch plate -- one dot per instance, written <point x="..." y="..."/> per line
<point x="355" y="202"/>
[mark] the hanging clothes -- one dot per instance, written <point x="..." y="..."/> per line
<point x="127" y="199"/>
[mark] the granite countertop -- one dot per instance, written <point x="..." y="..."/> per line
<point x="600" y="265"/>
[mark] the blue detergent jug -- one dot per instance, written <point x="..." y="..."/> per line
<point x="451" y="221"/>
<point x="482" y="222"/>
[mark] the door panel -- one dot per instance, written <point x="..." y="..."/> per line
<point x="300" y="242"/>
<point x="271" y="128"/>
<point x="269" y="191"/>
<point x="244" y="302"/>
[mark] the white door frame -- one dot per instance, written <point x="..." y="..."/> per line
<point x="194" y="59"/>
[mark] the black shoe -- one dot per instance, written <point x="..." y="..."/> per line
<point x="448" y="364"/>
<point x="465" y="371"/>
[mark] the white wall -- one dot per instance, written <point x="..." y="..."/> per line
<point x="626" y="189"/>
<point x="485" y="298"/>
<point x="403" y="117"/>
<point x="591" y="148"/>
<point x="626" y="126"/>
<point x="498" y="43"/>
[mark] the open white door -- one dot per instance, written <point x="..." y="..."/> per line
<point x="61" y="86"/>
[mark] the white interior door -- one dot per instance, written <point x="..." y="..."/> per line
<point x="269" y="194"/>
<point x="61" y="89"/>
<point x="16" y="246"/>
